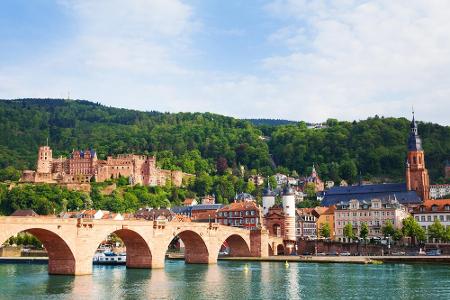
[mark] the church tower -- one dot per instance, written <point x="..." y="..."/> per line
<point x="416" y="174"/>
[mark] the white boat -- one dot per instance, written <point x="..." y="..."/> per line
<point x="109" y="258"/>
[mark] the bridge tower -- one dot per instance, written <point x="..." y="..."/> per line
<point x="268" y="198"/>
<point x="289" y="212"/>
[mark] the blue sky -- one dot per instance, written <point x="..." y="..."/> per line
<point x="291" y="59"/>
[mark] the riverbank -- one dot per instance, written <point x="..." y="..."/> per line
<point x="347" y="259"/>
<point x="24" y="260"/>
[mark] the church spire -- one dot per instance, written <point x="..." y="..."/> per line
<point x="414" y="141"/>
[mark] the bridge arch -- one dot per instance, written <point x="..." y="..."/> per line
<point x="139" y="254"/>
<point x="196" y="249"/>
<point x="61" y="259"/>
<point x="238" y="246"/>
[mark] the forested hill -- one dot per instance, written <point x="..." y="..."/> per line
<point x="205" y="142"/>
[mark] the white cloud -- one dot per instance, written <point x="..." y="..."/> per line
<point x="359" y="58"/>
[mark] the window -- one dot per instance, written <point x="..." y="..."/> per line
<point x="253" y="212"/>
<point x="434" y="207"/>
<point x="422" y="218"/>
<point x="441" y="218"/>
<point x="428" y="218"/>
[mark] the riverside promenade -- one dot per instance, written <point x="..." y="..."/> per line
<point x="348" y="259"/>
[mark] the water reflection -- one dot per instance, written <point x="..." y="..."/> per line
<point x="229" y="280"/>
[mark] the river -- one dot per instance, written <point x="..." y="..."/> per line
<point x="230" y="280"/>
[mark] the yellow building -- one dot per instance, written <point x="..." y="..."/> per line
<point x="325" y="215"/>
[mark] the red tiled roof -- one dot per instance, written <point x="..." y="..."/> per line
<point x="239" y="206"/>
<point x="24" y="213"/>
<point x="428" y="204"/>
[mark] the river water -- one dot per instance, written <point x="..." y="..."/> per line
<point x="231" y="280"/>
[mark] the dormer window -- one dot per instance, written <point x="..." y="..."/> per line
<point x="447" y="207"/>
<point x="434" y="207"/>
<point x="422" y="209"/>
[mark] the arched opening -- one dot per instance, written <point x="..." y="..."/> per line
<point x="60" y="257"/>
<point x="270" y="250"/>
<point x="124" y="246"/>
<point x="280" y="249"/>
<point x="235" y="246"/>
<point x="192" y="245"/>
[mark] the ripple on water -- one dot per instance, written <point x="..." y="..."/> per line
<point x="231" y="280"/>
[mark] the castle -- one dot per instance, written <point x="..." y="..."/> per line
<point x="83" y="167"/>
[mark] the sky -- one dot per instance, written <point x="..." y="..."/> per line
<point x="279" y="59"/>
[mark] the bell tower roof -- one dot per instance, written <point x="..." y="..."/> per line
<point x="414" y="141"/>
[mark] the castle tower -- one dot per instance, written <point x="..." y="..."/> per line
<point x="44" y="161"/>
<point x="416" y="174"/>
<point x="268" y="199"/>
<point x="289" y="213"/>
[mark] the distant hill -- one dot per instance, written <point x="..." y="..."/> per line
<point x="196" y="142"/>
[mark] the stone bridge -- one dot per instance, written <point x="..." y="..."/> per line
<point x="72" y="243"/>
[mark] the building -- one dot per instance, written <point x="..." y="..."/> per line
<point x="84" y="166"/>
<point x="375" y="213"/>
<point x="244" y="213"/>
<point x="190" y="202"/>
<point x="280" y="179"/>
<point x="430" y="211"/>
<point x="319" y="185"/>
<point x="209" y="199"/>
<point x="385" y="191"/>
<point x="256" y="179"/>
<point x="199" y="212"/>
<point x="274" y="221"/>
<point x="306" y="224"/>
<point x="205" y="212"/>
<point x="439" y="191"/>
<point x="152" y="214"/>
<point x="24" y="213"/>
<point x="324" y="215"/>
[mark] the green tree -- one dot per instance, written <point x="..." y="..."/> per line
<point x="348" y="231"/>
<point x="397" y="235"/>
<point x="203" y="184"/>
<point x="348" y="170"/>
<point x="364" y="231"/>
<point x="310" y="191"/>
<point x="412" y="228"/>
<point x="325" y="230"/>
<point x="388" y="229"/>
<point x="437" y="230"/>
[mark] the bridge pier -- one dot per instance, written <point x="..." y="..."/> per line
<point x="259" y="243"/>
